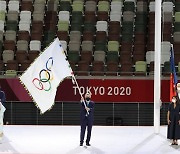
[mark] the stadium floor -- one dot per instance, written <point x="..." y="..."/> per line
<point x="30" y="139"/>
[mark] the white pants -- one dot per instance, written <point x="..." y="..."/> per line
<point x="2" y="110"/>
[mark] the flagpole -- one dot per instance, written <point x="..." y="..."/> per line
<point x="74" y="79"/>
<point x="157" y="66"/>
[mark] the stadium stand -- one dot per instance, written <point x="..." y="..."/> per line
<point x="112" y="32"/>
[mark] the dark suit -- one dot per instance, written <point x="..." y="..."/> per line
<point x="174" y="127"/>
<point x="86" y="121"/>
<point x="2" y="97"/>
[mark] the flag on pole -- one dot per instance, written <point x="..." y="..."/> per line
<point x="173" y="76"/>
<point x="45" y="74"/>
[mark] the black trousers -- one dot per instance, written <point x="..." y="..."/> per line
<point x="86" y="123"/>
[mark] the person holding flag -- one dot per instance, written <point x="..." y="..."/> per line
<point x="87" y="117"/>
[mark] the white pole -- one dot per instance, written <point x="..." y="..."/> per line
<point x="157" y="66"/>
<point x="74" y="79"/>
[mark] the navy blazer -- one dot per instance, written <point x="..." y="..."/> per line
<point x="84" y="112"/>
<point x="2" y="97"/>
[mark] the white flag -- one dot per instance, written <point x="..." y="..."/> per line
<point x="45" y="74"/>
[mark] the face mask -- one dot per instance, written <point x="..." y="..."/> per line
<point x="87" y="98"/>
<point x="173" y="100"/>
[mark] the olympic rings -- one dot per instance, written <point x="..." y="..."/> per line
<point x="45" y="76"/>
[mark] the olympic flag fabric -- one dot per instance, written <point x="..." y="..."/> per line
<point x="43" y="77"/>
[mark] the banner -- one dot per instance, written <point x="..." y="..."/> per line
<point x="103" y="90"/>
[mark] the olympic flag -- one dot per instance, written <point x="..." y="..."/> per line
<point x="44" y="75"/>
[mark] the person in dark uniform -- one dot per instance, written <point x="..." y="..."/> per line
<point x="173" y="120"/>
<point x="2" y="97"/>
<point x="87" y="117"/>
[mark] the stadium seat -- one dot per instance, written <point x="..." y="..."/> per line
<point x="101" y="36"/>
<point x="100" y="46"/>
<point x="152" y="6"/>
<point x="2" y="15"/>
<point x="52" y="5"/>
<point x="24" y="25"/>
<point x="103" y="6"/>
<point x="102" y="16"/>
<point x="3" y="6"/>
<point x="7" y="55"/>
<point x="63" y="26"/>
<point x="1" y="67"/>
<point x="78" y="5"/>
<point x="129" y="6"/>
<point x="75" y="36"/>
<point x="36" y="36"/>
<point x="97" y="68"/>
<point x="115" y="16"/>
<point x="89" y="17"/>
<point x="10" y="35"/>
<point x="149" y="56"/>
<point x="64" y="16"/>
<point x="35" y="45"/>
<point x="166" y="69"/>
<point x="39" y="6"/>
<point x="112" y="68"/>
<point x="1" y="25"/>
<point x="102" y="26"/>
<point x="90" y="6"/>
<point x="32" y="55"/>
<point x="65" y="6"/>
<point x="12" y="15"/>
<point x="99" y="56"/>
<point x="83" y="68"/>
<point x="21" y="56"/>
<point x="86" y="56"/>
<point x="113" y="46"/>
<point x="22" y="45"/>
<point x="116" y="6"/>
<point x="167" y="17"/>
<point x="141" y="6"/>
<point x="87" y="46"/>
<point x="167" y="6"/>
<point x="74" y="46"/>
<point x="63" y="35"/>
<point x="9" y="45"/>
<point x="24" y="65"/>
<point x="10" y="73"/>
<point x="1" y="36"/>
<point x="140" y="68"/>
<point x="126" y="68"/>
<point x="128" y="16"/>
<point x="89" y="27"/>
<point x="38" y="16"/>
<point x="88" y="36"/>
<point x="73" y="56"/>
<point x="176" y="36"/>
<point x="112" y="56"/>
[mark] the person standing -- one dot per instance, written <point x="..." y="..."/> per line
<point x="173" y="120"/>
<point x="2" y="110"/>
<point x="87" y="117"/>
